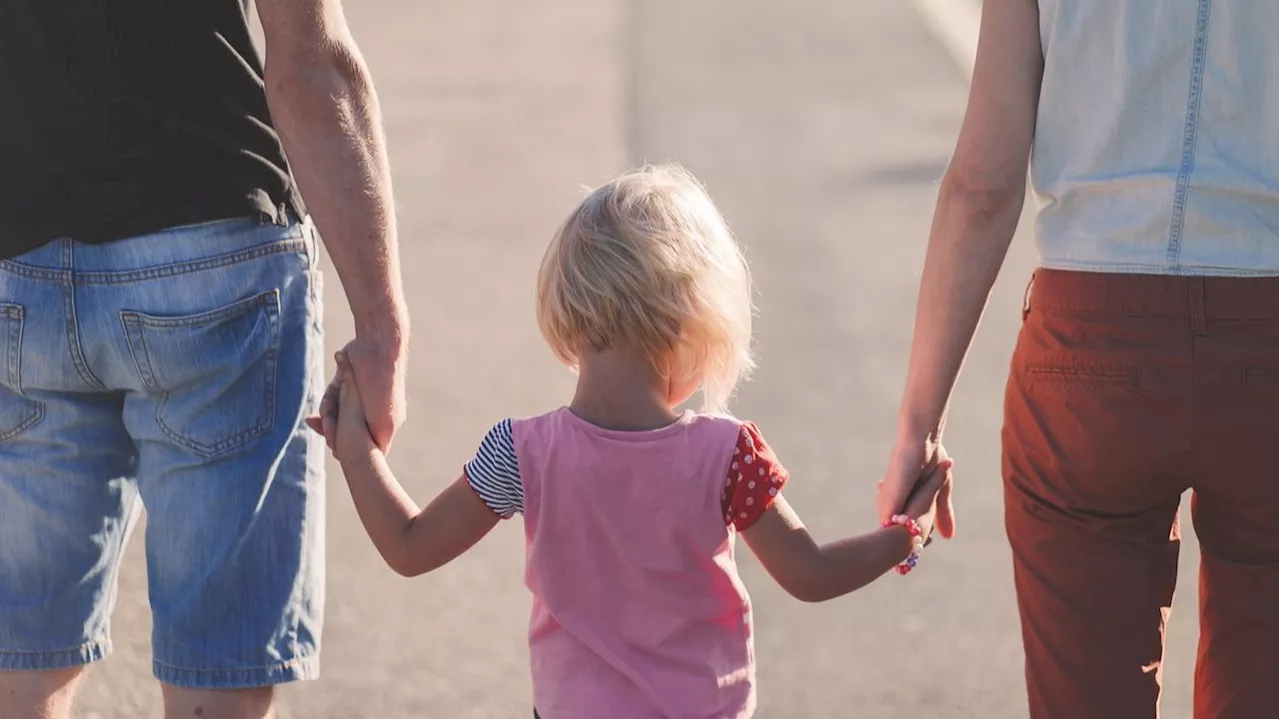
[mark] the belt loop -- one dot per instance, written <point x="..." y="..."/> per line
<point x="313" y="241"/>
<point x="67" y="250"/>
<point x="1198" y="324"/>
<point x="1026" y="297"/>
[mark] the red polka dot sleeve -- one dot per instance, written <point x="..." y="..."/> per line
<point x="754" y="482"/>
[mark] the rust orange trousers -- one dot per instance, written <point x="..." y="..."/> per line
<point x="1125" y="391"/>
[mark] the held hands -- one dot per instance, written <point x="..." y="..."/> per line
<point x="923" y="504"/>
<point x="379" y="367"/>
<point x="343" y="420"/>
<point x="906" y="470"/>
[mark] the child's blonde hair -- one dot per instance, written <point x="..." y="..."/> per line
<point x="646" y="262"/>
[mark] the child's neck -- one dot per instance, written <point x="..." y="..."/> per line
<point x="617" y="390"/>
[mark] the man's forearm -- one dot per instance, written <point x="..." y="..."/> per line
<point x="326" y="111"/>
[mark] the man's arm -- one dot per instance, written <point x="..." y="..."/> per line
<point x="325" y="109"/>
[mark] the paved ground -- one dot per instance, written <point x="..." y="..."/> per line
<point x="821" y="133"/>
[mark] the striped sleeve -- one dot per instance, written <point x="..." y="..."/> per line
<point x="494" y="473"/>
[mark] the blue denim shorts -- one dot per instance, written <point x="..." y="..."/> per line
<point x="170" y="371"/>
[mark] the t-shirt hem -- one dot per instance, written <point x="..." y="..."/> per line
<point x="1147" y="269"/>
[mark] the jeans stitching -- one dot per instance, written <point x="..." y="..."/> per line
<point x="258" y="429"/>
<point x="297" y="668"/>
<point x="288" y="663"/>
<point x="277" y="247"/>
<point x="13" y="342"/>
<point x="103" y="643"/>
<point x="234" y="309"/>
<point x="134" y="339"/>
<point x="13" y="353"/>
<point x="36" y="417"/>
<point x="264" y="425"/>
<point x="73" y="322"/>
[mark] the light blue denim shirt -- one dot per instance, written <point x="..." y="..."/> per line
<point x="1156" y="137"/>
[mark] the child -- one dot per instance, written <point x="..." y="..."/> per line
<point x="630" y="507"/>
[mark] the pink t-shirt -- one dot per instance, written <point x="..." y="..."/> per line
<point x="638" y="609"/>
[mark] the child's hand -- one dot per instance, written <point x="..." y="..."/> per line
<point x="922" y="504"/>
<point x="325" y="424"/>
<point x="353" y="440"/>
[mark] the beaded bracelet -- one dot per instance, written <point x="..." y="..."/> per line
<point x="917" y="541"/>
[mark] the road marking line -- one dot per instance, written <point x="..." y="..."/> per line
<point x="955" y="22"/>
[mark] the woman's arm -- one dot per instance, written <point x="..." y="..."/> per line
<point x="979" y="202"/>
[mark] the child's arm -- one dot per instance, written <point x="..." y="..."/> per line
<point x="412" y="542"/>
<point x="813" y="573"/>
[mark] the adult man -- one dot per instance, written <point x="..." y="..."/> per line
<point x="160" y="332"/>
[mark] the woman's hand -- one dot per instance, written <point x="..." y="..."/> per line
<point x="910" y="464"/>
<point x="930" y="501"/>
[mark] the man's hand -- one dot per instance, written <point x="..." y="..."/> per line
<point x="326" y="111"/>
<point x="353" y="440"/>
<point x="910" y="462"/>
<point x="379" y="370"/>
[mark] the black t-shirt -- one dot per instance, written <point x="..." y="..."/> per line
<point x="123" y="117"/>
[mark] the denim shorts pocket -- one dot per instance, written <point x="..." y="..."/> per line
<point x="214" y="373"/>
<point x="17" y="413"/>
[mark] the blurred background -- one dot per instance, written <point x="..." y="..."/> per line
<point x="821" y="129"/>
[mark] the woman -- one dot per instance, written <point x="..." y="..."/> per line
<point x="1146" y="364"/>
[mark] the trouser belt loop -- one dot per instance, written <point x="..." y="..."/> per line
<point x="1196" y="296"/>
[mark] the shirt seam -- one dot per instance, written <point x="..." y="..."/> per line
<point x="1194" y="95"/>
<point x="1149" y="269"/>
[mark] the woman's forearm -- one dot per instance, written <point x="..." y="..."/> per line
<point x="978" y="207"/>
<point x="971" y="233"/>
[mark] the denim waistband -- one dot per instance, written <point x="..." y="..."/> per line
<point x="214" y="242"/>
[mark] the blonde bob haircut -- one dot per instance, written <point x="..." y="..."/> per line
<point x="646" y="263"/>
